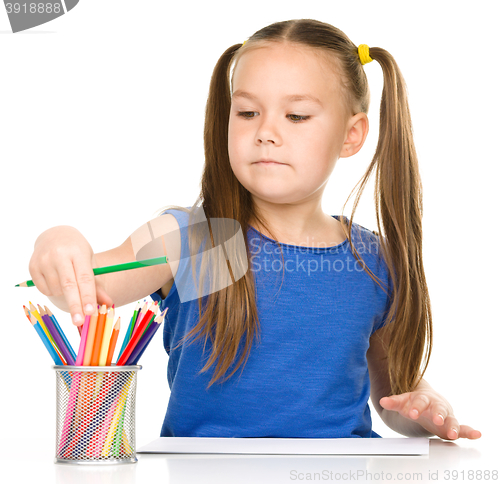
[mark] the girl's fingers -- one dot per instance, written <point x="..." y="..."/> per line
<point x="452" y="428"/>
<point x="439" y="415"/>
<point x="435" y="412"/>
<point x="418" y="404"/>
<point x="467" y="432"/>
<point x="85" y="279"/>
<point x="394" y="402"/>
<point x="102" y="296"/>
<point x="71" y="292"/>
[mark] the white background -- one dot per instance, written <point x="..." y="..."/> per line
<point x="101" y="122"/>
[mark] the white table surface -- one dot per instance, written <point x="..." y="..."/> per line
<point x="35" y="464"/>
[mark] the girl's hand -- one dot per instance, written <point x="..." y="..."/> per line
<point x="431" y="410"/>
<point x="62" y="265"/>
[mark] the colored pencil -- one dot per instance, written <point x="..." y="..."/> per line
<point x="70" y="409"/>
<point x="117" y="413"/>
<point x="89" y="346"/>
<point x="121" y="436"/>
<point x="93" y="419"/>
<point x="140" y="316"/>
<point x="44" y="330"/>
<point x="60" y="343"/>
<point x="134" y="320"/>
<point x="35" y="313"/>
<point x="145" y="340"/>
<point x="60" y="331"/>
<point x="136" y="361"/>
<point x="106" y="337"/>
<point x="57" y="334"/>
<point x="94" y="360"/>
<point x="97" y="440"/>
<point x="83" y="341"/>
<point x="116" y="268"/>
<point x="151" y="319"/>
<point x="133" y="341"/>
<point x="126" y="338"/>
<point x="45" y="340"/>
<point x="147" y="316"/>
<point x="112" y="342"/>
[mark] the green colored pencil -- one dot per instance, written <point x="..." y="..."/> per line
<point x="117" y="268"/>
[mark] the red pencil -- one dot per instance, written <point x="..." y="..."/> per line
<point x="142" y="314"/>
<point x="135" y="339"/>
<point x="147" y="315"/>
<point x="112" y="342"/>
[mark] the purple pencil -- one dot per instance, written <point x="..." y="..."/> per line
<point x="145" y="339"/>
<point x="143" y="342"/>
<point x="57" y="338"/>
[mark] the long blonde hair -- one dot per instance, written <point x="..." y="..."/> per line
<point x="229" y="316"/>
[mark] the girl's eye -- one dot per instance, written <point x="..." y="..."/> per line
<point x="295" y="118"/>
<point x="244" y="114"/>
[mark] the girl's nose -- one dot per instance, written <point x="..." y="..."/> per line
<point x="268" y="133"/>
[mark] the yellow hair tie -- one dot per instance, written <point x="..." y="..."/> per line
<point x="364" y="54"/>
<point x="243" y="43"/>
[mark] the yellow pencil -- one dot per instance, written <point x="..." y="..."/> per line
<point x="106" y="337"/>
<point x="35" y="313"/>
<point x="38" y="318"/>
<point x="113" y="427"/>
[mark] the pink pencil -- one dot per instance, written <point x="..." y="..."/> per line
<point x="70" y="410"/>
<point x="83" y="341"/>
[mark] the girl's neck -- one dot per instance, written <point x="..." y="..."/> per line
<point x="321" y="231"/>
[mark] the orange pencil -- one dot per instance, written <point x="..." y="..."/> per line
<point x="112" y="342"/>
<point x="101" y="321"/>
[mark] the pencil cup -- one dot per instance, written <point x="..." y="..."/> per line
<point x="95" y="421"/>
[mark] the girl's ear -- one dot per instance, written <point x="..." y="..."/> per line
<point x="357" y="131"/>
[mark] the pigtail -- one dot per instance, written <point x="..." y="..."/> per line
<point x="398" y="203"/>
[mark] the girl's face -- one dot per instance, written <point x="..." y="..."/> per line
<point x="269" y="121"/>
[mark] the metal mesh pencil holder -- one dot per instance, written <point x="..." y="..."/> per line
<point x="95" y="420"/>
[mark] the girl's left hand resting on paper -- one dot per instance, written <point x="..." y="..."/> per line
<point x="431" y="410"/>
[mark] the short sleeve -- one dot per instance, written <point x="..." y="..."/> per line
<point x="382" y="320"/>
<point x="156" y="296"/>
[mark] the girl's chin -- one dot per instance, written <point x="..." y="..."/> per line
<point x="274" y="196"/>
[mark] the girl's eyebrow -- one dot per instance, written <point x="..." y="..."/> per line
<point x="290" y="98"/>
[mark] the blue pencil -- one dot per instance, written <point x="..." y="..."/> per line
<point x="45" y="340"/>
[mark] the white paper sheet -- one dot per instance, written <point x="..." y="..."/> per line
<point x="354" y="446"/>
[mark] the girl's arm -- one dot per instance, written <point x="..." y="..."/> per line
<point x="420" y="413"/>
<point x="62" y="263"/>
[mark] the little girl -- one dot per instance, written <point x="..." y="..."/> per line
<point x="350" y="316"/>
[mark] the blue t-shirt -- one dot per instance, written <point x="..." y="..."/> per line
<point x="308" y="377"/>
